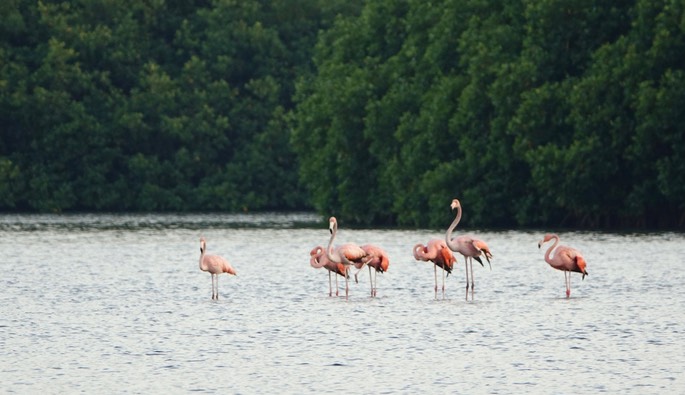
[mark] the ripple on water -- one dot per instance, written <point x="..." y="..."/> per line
<point x="122" y="304"/>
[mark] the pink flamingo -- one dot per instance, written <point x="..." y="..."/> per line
<point x="468" y="246"/>
<point x="319" y="259"/>
<point x="437" y="252"/>
<point x="376" y="258"/>
<point x="565" y="258"/>
<point x="348" y="254"/>
<point x="215" y="265"/>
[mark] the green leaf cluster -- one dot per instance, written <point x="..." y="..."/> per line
<point x="551" y="112"/>
<point x="531" y="112"/>
<point x="153" y="105"/>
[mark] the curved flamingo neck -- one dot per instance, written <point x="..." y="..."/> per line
<point x="315" y="260"/>
<point x="203" y="267"/>
<point x="329" y="249"/>
<point x="418" y="252"/>
<point x="552" y="247"/>
<point x="448" y="235"/>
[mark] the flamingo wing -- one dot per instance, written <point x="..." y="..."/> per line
<point x="340" y="269"/>
<point x="376" y="257"/>
<point x="351" y="251"/>
<point x="446" y="259"/>
<point x="482" y="247"/>
<point x="567" y="254"/>
<point x="217" y="264"/>
<point x="564" y="258"/>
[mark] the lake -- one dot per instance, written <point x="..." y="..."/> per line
<point x="117" y="303"/>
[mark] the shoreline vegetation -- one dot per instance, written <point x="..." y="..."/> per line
<point x="377" y="112"/>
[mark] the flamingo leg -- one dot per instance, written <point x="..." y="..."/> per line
<point x="443" y="282"/>
<point x="213" y="293"/>
<point x="567" y="277"/>
<point x="473" y="287"/>
<point x="347" y="283"/>
<point x="466" y="270"/>
<point x="435" y="271"/>
<point x="356" y="280"/>
<point x="337" y="288"/>
<point x="370" y="280"/>
<point x="330" y="286"/>
<point x="217" y="286"/>
<point x="375" y="283"/>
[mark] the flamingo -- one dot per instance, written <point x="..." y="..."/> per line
<point x="437" y="252"/>
<point x="376" y="258"/>
<point x="565" y="258"/>
<point x="319" y="259"/>
<point x="468" y="246"/>
<point x="215" y="265"/>
<point x="348" y="254"/>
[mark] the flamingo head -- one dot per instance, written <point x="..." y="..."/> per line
<point x="419" y="250"/>
<point x="385" y="263"/>
<point x="455" y="204"/>
<point x="332" y="224"/>
<point x="547" y="238"/>
<point x="316" y="251"/>
<point x="315" y="255"/>
<point x="203" y="245"/>
<point x="580" y="261"/>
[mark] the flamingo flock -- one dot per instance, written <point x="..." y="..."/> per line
<point x="338" y="260"/>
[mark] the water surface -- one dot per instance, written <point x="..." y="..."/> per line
<point x="117" y="303"/>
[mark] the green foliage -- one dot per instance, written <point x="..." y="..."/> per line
<point x="532" y="113"/>
<point x="128" y="105"/>
<point x="552" y="112"/>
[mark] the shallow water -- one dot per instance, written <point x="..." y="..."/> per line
<point x="116" y="303"/>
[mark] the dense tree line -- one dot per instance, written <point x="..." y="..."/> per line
<point x="531" y="112"/>
<point x="153" y="105"/>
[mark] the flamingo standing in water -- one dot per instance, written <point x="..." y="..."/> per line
<point x="376" y="258"/>
<point x="468" y="246"/>
<point x="437" y="252"/>
<point x="348" y="254"/>
<point x="319" y="259"/>
<point x="565" y="258"/>
<point x="215" y="265"/>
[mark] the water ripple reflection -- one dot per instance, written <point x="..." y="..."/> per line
<point x="97" y="302"/>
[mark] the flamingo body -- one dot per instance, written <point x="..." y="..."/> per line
<point x="215" y="265"/>
<point x="565" y="258"/>
<point x="318" y="259"/>
<point x="436" y="251"/>
<point x="468" y="246"/>
<point x="347" y="254"/>
<point x="376" y="258"/>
